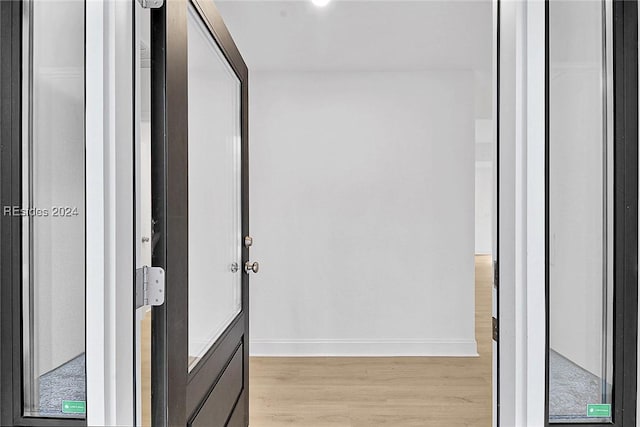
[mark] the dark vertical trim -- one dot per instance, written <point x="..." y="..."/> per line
<point x="497" y="205"/>
<point x="546" y="210"/>
<point x="169" y="144"/>
<point x="625" y="257"/>
<point x="158" y="208"/>
<point x="16" y="223"/>
<point x="625" y="84"/>
<point x="10" y="195"/>
<point x="135" y="90"/>
<point x="245" y="232"/>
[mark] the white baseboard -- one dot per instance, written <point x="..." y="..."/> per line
<point x="363" y="348"/>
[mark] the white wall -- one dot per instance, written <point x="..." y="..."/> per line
<point x="362" y="207"/>
<point x="485" y="151"/>
<point x="484" y="207"/>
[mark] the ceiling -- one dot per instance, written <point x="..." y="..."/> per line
<point x="370" y="35"/>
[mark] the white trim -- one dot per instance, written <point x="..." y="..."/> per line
<point x="109" y="223"/>
<point x="522" y="214"/>
<point x="512" y="213"/>
<point x="363" y="348"/>
<point x="520" y="206"/>
<point x="535" y="214"/>
<point x="121" y="314"/>
<point x="95" y="216"/>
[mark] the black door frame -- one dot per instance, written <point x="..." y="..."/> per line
<point x="495" y="367"/>
<point x="11" y="101"/>
<point x="179" y="394"/>
<point x="625" y="321"/>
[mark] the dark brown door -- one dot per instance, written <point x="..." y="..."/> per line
<point x="200" y="218"/>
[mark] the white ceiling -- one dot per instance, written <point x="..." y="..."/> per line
<point x="361" y="35"/>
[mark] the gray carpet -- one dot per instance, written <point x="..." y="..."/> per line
<point x="67" y="382"/>
<point x="571" y="388"/>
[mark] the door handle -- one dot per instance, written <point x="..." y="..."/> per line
<point x="251" y="266"/>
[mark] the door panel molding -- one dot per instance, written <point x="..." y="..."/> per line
<point x="213" y="364"/>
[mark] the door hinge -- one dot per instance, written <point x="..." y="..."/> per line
<point x="149" y="286"/>
<point x="495" y="329"/>
<point x="496" y="274"/>
<point x="151" y="4"/>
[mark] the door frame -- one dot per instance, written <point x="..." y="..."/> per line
<point x="11" y="274"/>
<point x="11" y="378"/>
<point x="108" y="164"/>
<point x="625" y="215"/>
<point x="178" y="392"/>
<point x="521" y="153"/>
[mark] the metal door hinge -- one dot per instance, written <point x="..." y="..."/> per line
<point x="149" y="286"/>
<point x="495" y="329"/>
<point x="151" y="4"/>
<point x="496" y="274"/>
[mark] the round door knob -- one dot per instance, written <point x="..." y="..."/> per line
<point x="251" y="266"/>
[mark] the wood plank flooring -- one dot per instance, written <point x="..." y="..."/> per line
<point x="367" y="392"/>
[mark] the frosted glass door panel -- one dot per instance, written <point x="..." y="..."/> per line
<point x="580" y="213"/>
<point x="215" y="270"/>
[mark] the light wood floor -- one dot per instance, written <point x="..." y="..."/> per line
<point x="366" y="392"/>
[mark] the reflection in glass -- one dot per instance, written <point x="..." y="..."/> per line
<point x="215" y="270"/>
<point x="580" y="279"/>
<point x="54" y="190"/>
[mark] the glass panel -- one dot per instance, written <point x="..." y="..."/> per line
<point x="580" y="278"/>
<point x="54" y="216"/>
<point x="215" y="270"/>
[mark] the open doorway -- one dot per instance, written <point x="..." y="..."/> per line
<point x="368" y="119"/>
<point x="372" y="144"/>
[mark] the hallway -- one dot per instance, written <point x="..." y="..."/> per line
<point x="363" y="392"/>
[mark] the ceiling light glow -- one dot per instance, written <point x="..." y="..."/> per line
<point x="320" y="3"/>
